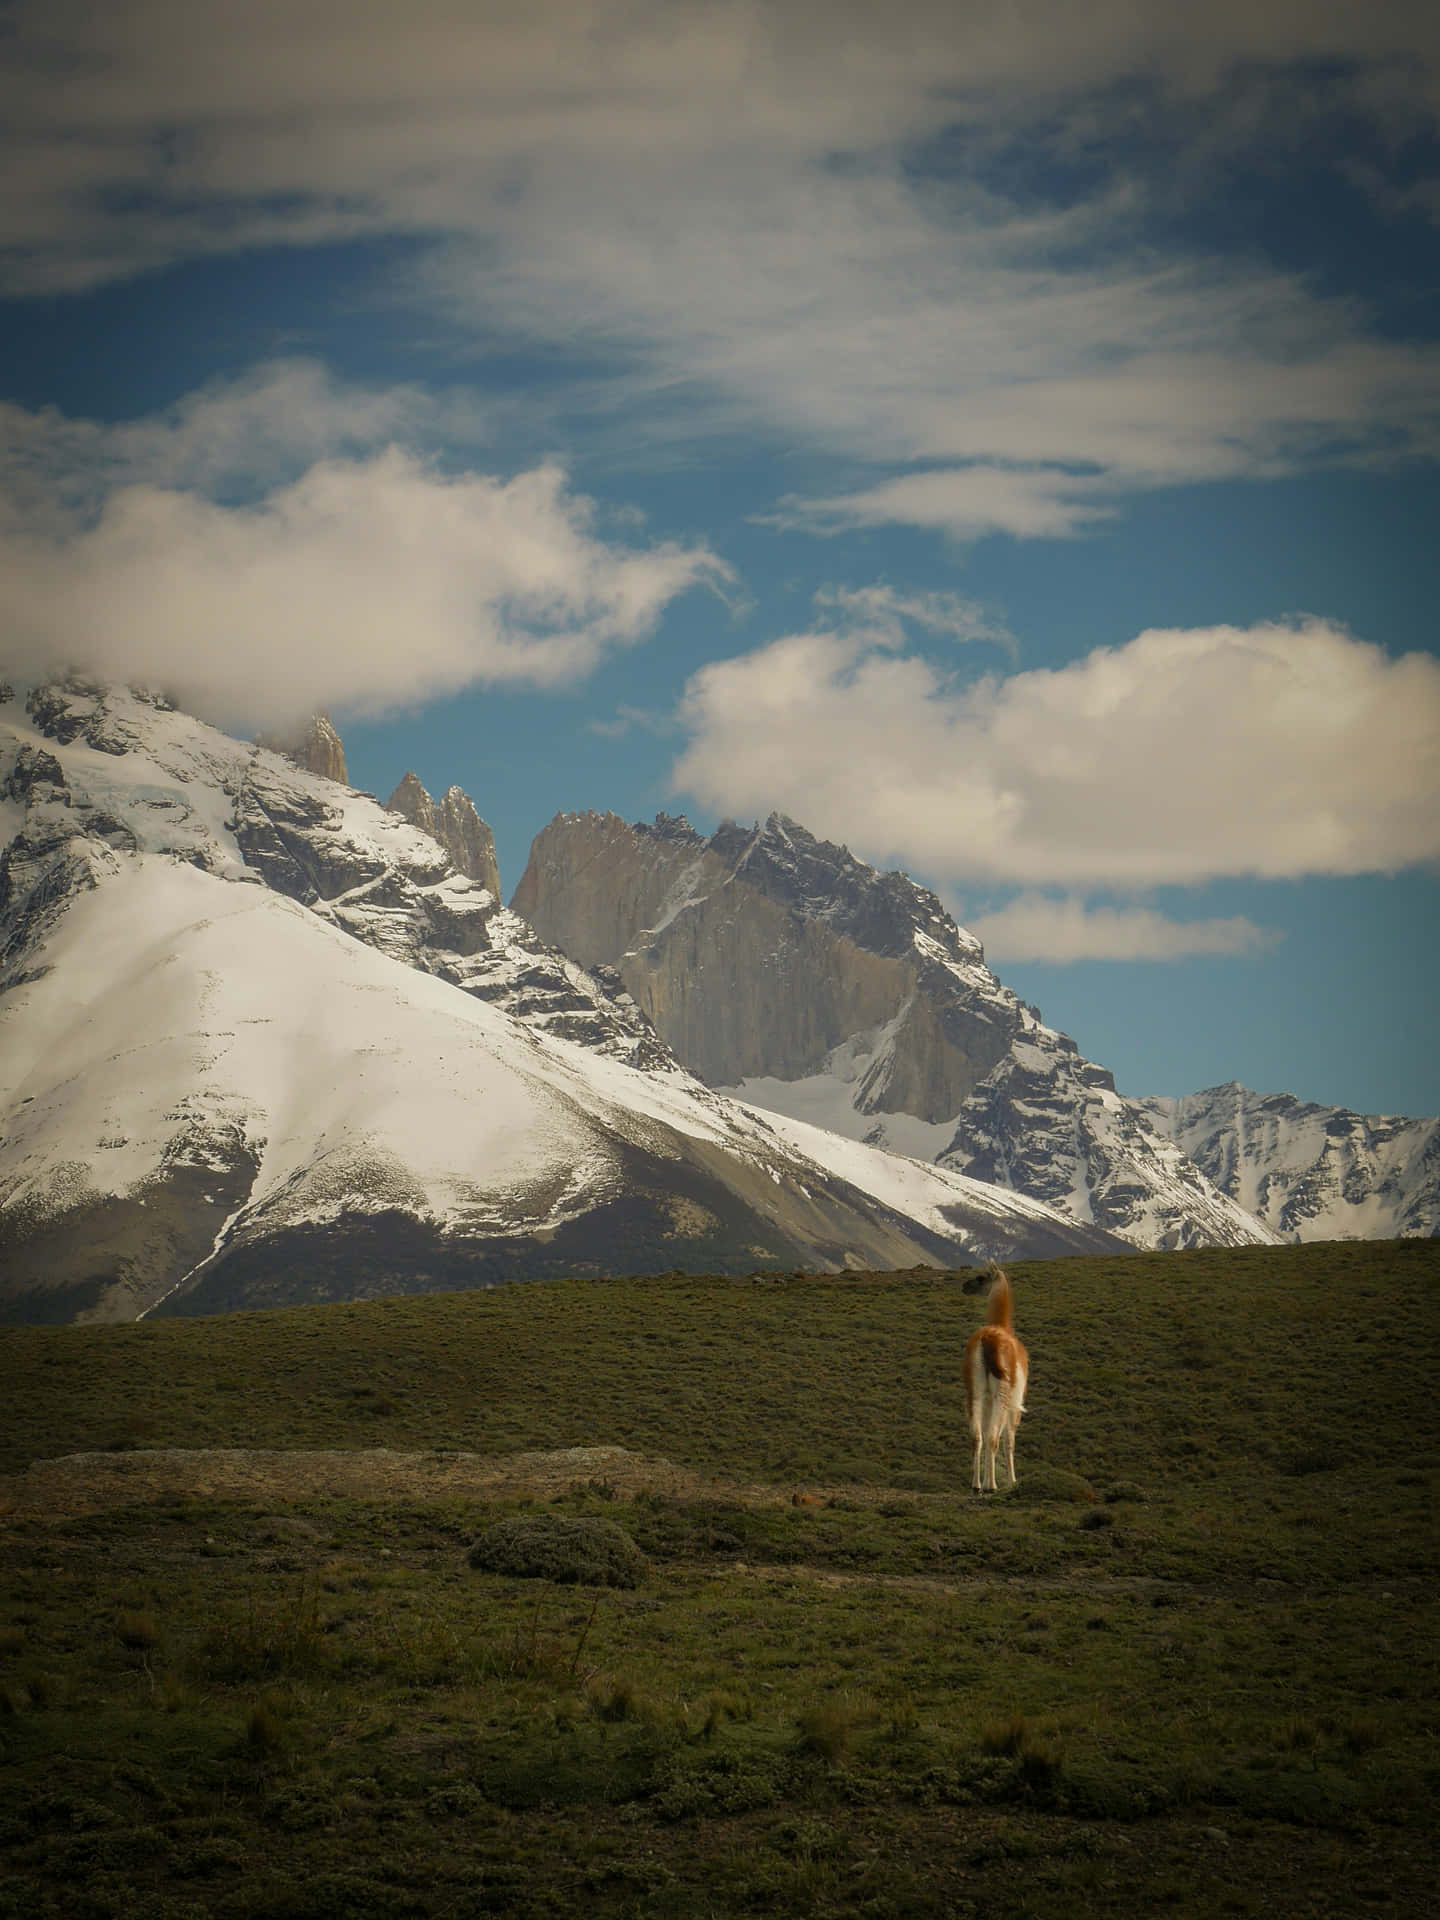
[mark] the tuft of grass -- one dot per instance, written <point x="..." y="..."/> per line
<point x="721" y="1708"/>
<point x="828" y="1729"/>
<point x="286" y="1636"/>
<point x="1005" y="1738"/>
<point x="264" y="1729"/>
<point x="137" y="1631"/>
<point x="1362" y="1733"/>
<point x="623" y="1699"/>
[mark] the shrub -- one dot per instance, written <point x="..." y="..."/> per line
<point x="561" y="1547"/>
<point x="1041" y="1483"/>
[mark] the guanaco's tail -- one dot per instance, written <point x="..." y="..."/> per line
<point x="1000" y="1308"/>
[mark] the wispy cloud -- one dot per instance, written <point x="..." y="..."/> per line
<point x="1040" y="927"/>
<point x="630" y="719"/>
<point x="232" y="439"/>
<point x="1276" y="750"/>
<point x="885" y="612"/>
<point x="799" y="219"/>
<point x="962" y="502"/>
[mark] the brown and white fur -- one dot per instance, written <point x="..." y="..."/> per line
<point x="996" y="1369"/>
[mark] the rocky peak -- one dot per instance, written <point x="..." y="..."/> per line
<point x="316" y="747"/>
<point x="455" y="824"/>
<point x="411" y="801"/>
<point x="1311" y="1172"/>
<point x="758" y="952"/>
<point x="670" y="826"/>
<point x="781" y="968"/>
<point x="881" y="912"/>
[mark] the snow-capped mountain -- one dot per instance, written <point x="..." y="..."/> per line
<point x="1310" y="1172"/>
<point x="260" y="1042"/>
<point x="787" y="973"/>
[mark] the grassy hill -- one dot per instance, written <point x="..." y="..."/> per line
<point x="1189" y="1665"/>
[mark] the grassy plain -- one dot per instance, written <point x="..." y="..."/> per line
<point x="1190" y="1666"/>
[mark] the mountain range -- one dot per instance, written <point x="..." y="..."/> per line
<point x="789" y="974"/>
<point x="263" y="1039"/>
<point x="262" y="1042"/>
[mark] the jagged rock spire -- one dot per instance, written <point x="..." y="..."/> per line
<point x="316" y="747"/>
<point x="453" y="821"/>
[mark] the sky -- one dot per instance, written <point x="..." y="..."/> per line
<point x="1003" y="437"/>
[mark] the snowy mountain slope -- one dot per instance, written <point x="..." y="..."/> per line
<point x="787" y="973"/>
<point x="216" y="1093"/>
<point x="1310" y="1172"/>
<point x="155" y="780"/>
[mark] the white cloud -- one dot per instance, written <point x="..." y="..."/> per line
<point x="963" y="502"/>
<point x="234" y="437"/>
<point x="1281" y="749"/>
<point x="1038" y="927"/>
<point x="362" y="584"/>
<point x="739" y="202"/>
<point x="629" y="719"/>
<point x="884" y="613"/>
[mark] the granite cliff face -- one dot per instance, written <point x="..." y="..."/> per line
<point x="787" y="973"/>
<point x="260" y="1042"/>
<point x="454" y="823"/>
<point x="1311" y="1172"/>
<point x="757" y="954"/>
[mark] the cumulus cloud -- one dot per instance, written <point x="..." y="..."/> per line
<point x="363" y="582"/>
<point x="1037" y="926"/>
<point x="1282" y="749"/>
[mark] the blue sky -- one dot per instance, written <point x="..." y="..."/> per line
<point x="1002" y="437"/>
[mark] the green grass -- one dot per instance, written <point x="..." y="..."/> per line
<point x="1190" y="1666"/>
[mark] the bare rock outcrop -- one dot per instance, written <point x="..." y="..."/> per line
<point x="758" y="952"/>
<point x="316" y="747"/>
<point x="455" y="824"/>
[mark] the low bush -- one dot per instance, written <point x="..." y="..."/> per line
<point x="560" y="1547"/>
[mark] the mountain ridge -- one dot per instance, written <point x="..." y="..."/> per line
<point x="1311" y="1171"/>
<point x="263" y="1043"/>
<point x="786" y="972"/>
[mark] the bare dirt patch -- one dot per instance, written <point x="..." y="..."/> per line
<point x="92" y="1482"/>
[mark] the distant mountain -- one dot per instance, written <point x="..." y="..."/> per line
<point x="784" y="971"/>
<point x="1310" y="1172"/>
<point x="260" y="1042"/>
